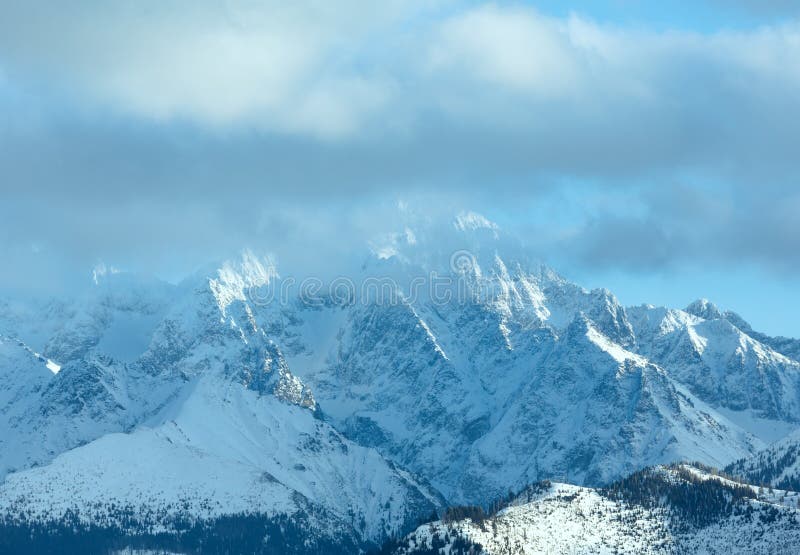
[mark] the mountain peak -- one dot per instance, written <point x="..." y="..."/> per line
<point x="471" y="221"/>
<point x="703" y="308"/>
<point x="235" y="279"/>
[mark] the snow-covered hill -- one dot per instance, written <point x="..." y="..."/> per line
<point x="677" y="509"/>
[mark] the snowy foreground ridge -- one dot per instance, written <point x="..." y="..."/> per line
<point x="216" y="416"/>
<point x="721" y="516"/>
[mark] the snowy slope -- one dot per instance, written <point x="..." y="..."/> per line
<point x="662" y="510"/>
<point x="208" y="421"/>
<point x="623" y="413"/>
<point x="718" y="361"/>
<point x="226" y="450"/>
<point x="86" y="399"/>
<point x="709" y="311"/>
<point x="23" y="376"/>
<point x="778" y="465"/>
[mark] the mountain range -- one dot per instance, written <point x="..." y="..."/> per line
<point x="329" y="415"/>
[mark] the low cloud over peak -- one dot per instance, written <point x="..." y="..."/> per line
<point x="161" y="137"/>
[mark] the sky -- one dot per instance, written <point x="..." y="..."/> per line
<point x="646" y="147"/>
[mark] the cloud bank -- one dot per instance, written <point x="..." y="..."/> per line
<point x="157" y="136"/>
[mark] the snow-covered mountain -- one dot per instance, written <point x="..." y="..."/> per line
<point x="719" y="361"/>
<point x="208" y="421"/>
<point x="676" y="509"/>
<point x="707" y="310"/>
<point x="440" y="371"/>
<point x="528" y="376"/>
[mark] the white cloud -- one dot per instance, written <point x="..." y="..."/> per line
<point x="591" y="66"/>
<point x="305" y="115"/>
<point x="297" y="67"/>
<point x="336" y="70"/>
<point x="509" y="47"/>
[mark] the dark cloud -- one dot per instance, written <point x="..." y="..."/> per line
<point x="629" y="244"/>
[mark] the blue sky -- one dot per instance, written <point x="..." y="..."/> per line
<point x="648" y="147"/>
<point x="694" y="15"/>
